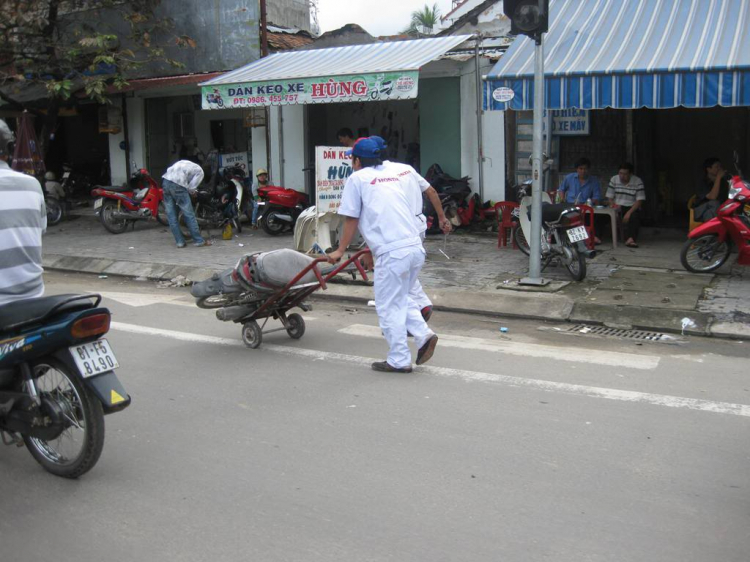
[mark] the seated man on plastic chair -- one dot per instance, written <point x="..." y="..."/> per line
<point x="579" y="187"/>
<point x="626" y="191"/>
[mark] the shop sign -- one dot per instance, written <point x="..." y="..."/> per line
<point x="503" y="95"/>
<point x="332" y="168"/>
<point x="234" y="159"/>
<point x="349" y="88"/>
<point x="569" y="122"/>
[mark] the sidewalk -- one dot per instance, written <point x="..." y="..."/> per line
<point x="644" y="288"/>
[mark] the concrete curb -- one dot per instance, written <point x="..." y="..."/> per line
<point x="505" y="303"/>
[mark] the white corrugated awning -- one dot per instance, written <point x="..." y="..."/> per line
<point x="375" y="71"/>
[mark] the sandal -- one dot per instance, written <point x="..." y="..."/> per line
<point x="631" y="245"/>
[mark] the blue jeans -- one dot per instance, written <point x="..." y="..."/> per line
<point x="254" y="219"/>
<point x="177" y="196"/>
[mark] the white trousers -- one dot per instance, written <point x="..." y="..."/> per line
<point x="417" y="292"/>
<point x="395" y="275"/>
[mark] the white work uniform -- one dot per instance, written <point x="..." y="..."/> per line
<point x="379" y="200"/>
<point x="415" y="185"/>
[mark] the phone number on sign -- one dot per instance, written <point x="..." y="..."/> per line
<point x="260" y="100"/>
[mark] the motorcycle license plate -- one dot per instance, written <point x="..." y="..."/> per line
<point x="99" y="202"/>
<point x="577" y="234"/>
<point x="94" y="358"/>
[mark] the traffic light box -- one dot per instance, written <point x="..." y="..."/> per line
<point x="527" y="17"/>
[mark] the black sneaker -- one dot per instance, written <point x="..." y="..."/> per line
<point x="425" y="352"/>
<point x="385" y="367"/>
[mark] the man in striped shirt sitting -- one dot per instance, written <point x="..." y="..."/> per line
<point x="626" y="190"/>
<point x="23" y="219"/>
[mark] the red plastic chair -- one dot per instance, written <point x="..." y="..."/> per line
<point x="504" y="217"/>
<point x="588" y="223"/>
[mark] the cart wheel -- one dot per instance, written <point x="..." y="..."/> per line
<point x="295" y="326"/>
<point x="252" y="334"/>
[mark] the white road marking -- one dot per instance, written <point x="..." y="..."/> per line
<point x="143" y="299"/>
<point x="568" y="353"/>
<point x="469" y="376"/>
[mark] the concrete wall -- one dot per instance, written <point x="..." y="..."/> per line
<point x="493" y="133"/>
<point x="440" y="124"/>
<point x="119" y="168"/>
<point x="227" y="34"/>
<point x="289" y="13"/>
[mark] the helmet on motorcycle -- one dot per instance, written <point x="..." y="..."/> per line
<point x="260" y="172"/>
<point x="6" y="137"/>
<point x="50" y="176"/>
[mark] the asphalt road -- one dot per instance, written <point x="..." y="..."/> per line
<point x="528" y="445"/>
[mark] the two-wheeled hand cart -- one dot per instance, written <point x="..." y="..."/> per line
<point x="279" y="301"/>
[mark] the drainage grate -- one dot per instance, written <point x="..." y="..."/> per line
<point x="638" y="335"/>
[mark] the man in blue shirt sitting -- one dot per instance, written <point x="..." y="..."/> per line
<point x="579" y="187"/>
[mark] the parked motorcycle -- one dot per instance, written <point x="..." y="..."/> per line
<point x="140" y="199"/>
<point x="279" y="208"/>
<point x="709" y="245"/>
<point x="57" y="380"/>
<point x="563" y="233"/>
<point x="453" y="193"/>
<point x="217" y="203"/>
<point x="53" y="199"/>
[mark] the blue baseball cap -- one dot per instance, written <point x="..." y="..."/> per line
<point x="380" y="141"/>
<point x="365" y="148"/>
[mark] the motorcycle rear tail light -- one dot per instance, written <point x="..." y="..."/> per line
<point x="94" y="325"/>
<point x="571" y="219"/>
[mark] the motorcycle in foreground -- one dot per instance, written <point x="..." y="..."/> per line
<point x="709" y="245"/>
<point x="563" y="233"/>
<point x="141" y="199"/>
<point x="217" y="203"/>
<point x="57" y="380"/>
<point x="279" y="208"/>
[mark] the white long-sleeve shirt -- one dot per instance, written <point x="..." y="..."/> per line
<point x="185" y="173"/>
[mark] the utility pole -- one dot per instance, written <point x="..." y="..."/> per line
<point x="530" y="18"/>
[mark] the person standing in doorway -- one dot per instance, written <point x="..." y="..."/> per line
<point x="345" y="137"/>
<point x="23" y="220"/>
<point x="375" y="202"/>
<point x="627" y="191"/>
<point x="180" y="181"/>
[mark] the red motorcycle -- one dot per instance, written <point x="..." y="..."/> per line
<point x="140" y="199"/>
<point x="709" y="245"/>
<point x="279" y="208"/>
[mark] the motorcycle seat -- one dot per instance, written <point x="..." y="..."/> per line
<point x="551" y="211"/>
<point x="218" y="284"/>
<point x="115" y="188"/>
<point x="26" y="312"/>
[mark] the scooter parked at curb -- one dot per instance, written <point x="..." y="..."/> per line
<point x="57" y="380"/>
<point x="279" y="208"/>
<point x="141" y="199"/>
<point x="709" y="245"/>
<point x="563" y="233"/>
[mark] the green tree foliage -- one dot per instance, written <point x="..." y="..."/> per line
<point x="423" y="21"/>
<point x="65" y="46"/>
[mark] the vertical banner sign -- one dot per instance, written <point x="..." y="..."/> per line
<point x="332" y="167"/>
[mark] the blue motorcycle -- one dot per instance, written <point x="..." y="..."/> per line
<point x="57" y="380"/>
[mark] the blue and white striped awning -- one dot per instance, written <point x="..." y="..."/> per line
<point x="632" y="53"/>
